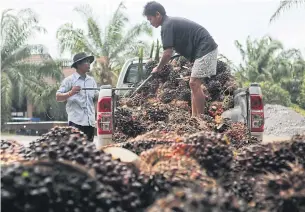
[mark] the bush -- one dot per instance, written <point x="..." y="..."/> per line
<point x="293" y="86"/>
<point x="301" y="98"/>
<point x="298" y="109"/>
<point x="274" y="94"/>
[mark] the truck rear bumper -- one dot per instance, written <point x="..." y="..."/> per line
<point x="103" y="140"/>
<point x="258" y="135"/>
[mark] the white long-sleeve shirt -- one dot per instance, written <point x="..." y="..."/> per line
<point x="80" y="107"/>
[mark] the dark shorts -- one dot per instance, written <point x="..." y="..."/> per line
<point x="88" y="130"/>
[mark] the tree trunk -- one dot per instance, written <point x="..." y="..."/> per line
<point x="105" y="73"/>
<point x="29" y="109"/>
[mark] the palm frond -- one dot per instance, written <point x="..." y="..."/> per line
<point x="6" y="91"/>
<point x="285" y="5"/>
<point x="114" y="30"/>
<point x="48" y="68"/>
<point x="130" y="37"/>
<point x="73" y="40"/>
<point x="6" y="20"/>
<point x="94" y="31"/>
<point x="20" y="54"/>
<point x="266" y="55"/>
<point x="18" y="29"/>
<point x="239" y="46"/>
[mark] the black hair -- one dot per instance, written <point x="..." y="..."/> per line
<point x="152" y="7"/>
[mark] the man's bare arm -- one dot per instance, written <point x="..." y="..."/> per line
<point x="62" y="97"/>
<point x="167" y="54"/>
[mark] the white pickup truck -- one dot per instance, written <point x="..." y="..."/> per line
<point x="248" y="102"/>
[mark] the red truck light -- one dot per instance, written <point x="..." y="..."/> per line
<point x="104" y="105"/>
<point x="256" y="102"/>
<point x="257" y="113"/>
<point x="104" y="116"/>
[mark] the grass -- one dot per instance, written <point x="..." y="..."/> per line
<point x="7" y="133"/>
<point x="298" y="109"/>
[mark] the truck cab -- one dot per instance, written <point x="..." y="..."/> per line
<point x="129" y="75"/>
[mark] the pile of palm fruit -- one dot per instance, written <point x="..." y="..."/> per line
<point x="164" y="104"/>
<point x="185" y="164"/>
<point x="62" y="171"/>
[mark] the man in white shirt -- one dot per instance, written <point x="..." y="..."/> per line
<point x="80" y="103"/>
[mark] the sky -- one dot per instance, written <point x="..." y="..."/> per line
<point x="226" y="20"/>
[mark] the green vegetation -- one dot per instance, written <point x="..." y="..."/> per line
<point x="286" y="5"/>
<point x="110" y="46"/>
<point x="280" y="72"/>
<point x="298" y="109"/>
<point x="22" y="80"/>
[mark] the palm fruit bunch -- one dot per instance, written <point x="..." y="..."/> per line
<point x="182" y="61"/>
<point x="215" y="109"/>
<point x="244" y="186"/>
<point x="297" y="146"/>
<point x="136" y="100"/>
<point x="209" y="149"/>
<point x="150" y="89"/>
<point x="178" y="170"/>
<point x="128" y="124"/>
<point x="241" y="185"/>
<point x="157" y="113"/>
<point x="184" y="94"/>
<point x="167" y="96"/>
<point x="173" y="77"/>
<point x="58" y="143"/>
<point x="200" y="199"/>
<point x="53" y="186"/>
<point x="118" y="177"/>
<point x="222" y="83"/>
<point x="10" y="151"/>
<point x="223" y="77"/>
<point x="284" y="192"/>
<point x="239" y="134"/>
<point x="173" y="167"/>
<point x="262" y="159"/>
<point x="149" y="66"/>
<point x="221" y="67"/>
<point x="119" y="137"/>
<point x="214" y="88"/>
<point x="164" y="73"/>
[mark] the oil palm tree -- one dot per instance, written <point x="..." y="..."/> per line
<point x="20" y="78"/>
<point x="109" y="45"/>
<point x="286" y="5"/>
<point x="258" y="58"/>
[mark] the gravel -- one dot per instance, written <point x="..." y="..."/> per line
<point x="283" y="121"/>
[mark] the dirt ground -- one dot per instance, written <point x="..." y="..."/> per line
<point x="271" y="138"/>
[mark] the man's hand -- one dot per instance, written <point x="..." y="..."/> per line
<point x="155" y="70"/>
<point x="75" y="90"/>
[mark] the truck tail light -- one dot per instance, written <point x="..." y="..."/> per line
<point x="104" y="116"/>
<point x="257" y="113"/>
<point x="104" y="105"/>
<point x="256" y="102"/>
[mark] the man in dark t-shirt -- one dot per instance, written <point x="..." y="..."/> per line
<point x="190" y="40"/>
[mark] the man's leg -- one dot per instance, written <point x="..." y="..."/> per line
<point x="72" y="124"/>
<point x="203" y="67"/>
<point x="194" y="111"/>
<point x="198" y="101"/>
<point x="89" y="131"/>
